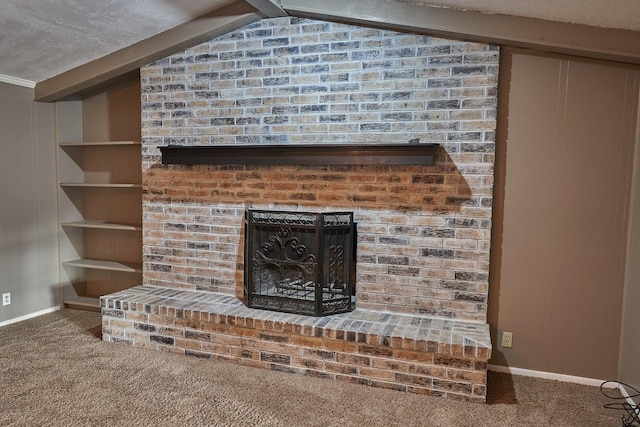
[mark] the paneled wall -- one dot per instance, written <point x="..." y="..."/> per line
<point x="28" y="209"/>
<point x="563" y="178"/>
<point x="630" y="342"/>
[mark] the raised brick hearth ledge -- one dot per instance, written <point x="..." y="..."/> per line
<point x="416" y="354"/>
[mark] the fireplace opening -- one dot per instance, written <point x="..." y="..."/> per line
<point x="300" y="262"/>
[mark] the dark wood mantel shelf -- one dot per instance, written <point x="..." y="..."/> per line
<point x="300" y="154"/>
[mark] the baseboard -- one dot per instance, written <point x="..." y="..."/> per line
<point x="632" y="403"/>
<point x="550" y="376"/>
<point x="29" y="316"/>
<point x="17" y="81"/>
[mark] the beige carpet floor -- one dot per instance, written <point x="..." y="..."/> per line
<point x="55" y="371"/>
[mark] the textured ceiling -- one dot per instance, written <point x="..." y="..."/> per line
<point x="40" y="39"/>
<point x="43" y="38"/>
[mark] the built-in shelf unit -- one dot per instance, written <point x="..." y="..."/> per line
<point x="100" y="199"/>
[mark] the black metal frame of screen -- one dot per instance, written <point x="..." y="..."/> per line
<point x="300" y="262"/>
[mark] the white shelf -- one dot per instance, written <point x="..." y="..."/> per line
<point x="102" y="225"/>
<point x="96" y="264"/>
<point x="99" y="185"/>
<point x="98" y="144"/>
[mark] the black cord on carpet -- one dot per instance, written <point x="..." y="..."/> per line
<point x="622" y="403"/>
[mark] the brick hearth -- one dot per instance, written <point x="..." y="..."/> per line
<point x="416" y="354"/>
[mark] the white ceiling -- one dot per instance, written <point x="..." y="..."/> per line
<point x="43" y="38"/>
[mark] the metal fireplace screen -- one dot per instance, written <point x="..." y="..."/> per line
<point x="300" y="262"/>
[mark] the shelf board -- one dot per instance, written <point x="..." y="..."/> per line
<point x="99" y="185"/>
<point x="98" y="144"/>
<point x="96" y="264"/>
<point x="102" y="225"/>
<point x="300" y="154"/>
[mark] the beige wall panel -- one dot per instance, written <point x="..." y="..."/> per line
<point x="100" y="282"/>
<point x="28" y="214"/>
<point x="517" y="297"/>
<point x="114" y="245"/>
<point x="564" y="171"/>
<point x="113" y="205"/>
<point x="113" y="115"/>
<point x="630" y="348"/>
<point x="114" y="166"/>
<point x="588" y="268"/>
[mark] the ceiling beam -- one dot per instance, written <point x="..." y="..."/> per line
<point x="550" y="36"/>
<point x="268" y="8"/>
<point x="103" y="70"/>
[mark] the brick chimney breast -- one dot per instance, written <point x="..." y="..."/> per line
<point x="423" y="232"/>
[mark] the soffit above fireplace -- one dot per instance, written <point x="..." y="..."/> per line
<point x="301" y="154"/>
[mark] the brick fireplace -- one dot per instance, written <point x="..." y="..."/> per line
<point x="423" y="232"/>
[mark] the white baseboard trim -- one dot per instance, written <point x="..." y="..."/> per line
<point x="29" y="316"/>
<point x="550" y="376"/>
<point x="630" y="401"/>
<point x="17" y="81"/>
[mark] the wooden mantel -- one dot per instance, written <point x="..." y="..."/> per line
<point x="300" y="154"/>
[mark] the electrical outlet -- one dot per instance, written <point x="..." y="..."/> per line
<point x="6" y="298"/>
<point x="507" y="339"/>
